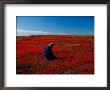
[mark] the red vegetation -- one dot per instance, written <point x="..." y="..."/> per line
<point x="75" y="55"/>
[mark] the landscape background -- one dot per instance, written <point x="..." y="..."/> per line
<point x="73" y="37"/>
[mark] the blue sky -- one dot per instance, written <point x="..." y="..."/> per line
<point x="54" y="25"/>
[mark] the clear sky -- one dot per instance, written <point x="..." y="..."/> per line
<point x="54" y="25"/>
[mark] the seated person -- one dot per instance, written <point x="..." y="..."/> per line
<point x="48" y="53"/>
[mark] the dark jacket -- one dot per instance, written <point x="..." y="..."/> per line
<point x="48" y="53"/>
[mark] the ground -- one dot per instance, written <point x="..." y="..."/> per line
<point x="75" y="55"/>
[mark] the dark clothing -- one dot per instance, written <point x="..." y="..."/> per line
<point x="48" y="53"/>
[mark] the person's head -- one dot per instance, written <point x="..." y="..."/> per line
<point x="51" y="45"/>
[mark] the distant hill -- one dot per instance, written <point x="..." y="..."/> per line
<point x="55" y="35"/>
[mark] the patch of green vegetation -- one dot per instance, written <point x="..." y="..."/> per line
<point x="70" y="71"/>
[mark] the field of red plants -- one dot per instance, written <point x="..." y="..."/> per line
<point x="75" y="55"/>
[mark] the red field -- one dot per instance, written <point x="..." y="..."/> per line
<point x="75" y="55"/>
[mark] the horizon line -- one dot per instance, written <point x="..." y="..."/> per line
<point x="59" y="35"/>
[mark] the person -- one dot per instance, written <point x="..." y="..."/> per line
<point x="48" y="53"/>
